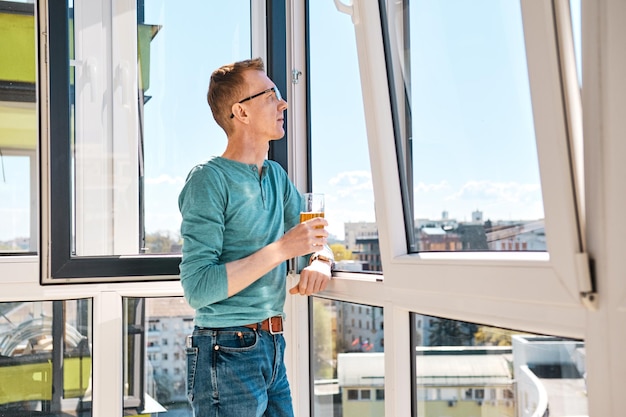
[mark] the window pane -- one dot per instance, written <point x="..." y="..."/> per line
<point x="466" y="369"/>
<point x="337" y="130"/>
<point x="33" y="338"/>
<point x="475" y="175"/>
<point x="179" y="130"/>
<point x="348" y="359"/>
<point x="155" y="367"/>
<point x="18" y="129"/>
<point x="132" y="157"/>
<point x="16" y="210"/>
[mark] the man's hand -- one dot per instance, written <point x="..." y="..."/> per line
<point x="313" y="279"/>
<point x="304" y="238"/>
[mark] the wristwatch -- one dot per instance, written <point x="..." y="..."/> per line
<point x="318" y="257"/>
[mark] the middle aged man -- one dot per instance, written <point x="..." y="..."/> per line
<point x="240" y="224"/>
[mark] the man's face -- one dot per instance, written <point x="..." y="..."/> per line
<point x="266" y="112"/>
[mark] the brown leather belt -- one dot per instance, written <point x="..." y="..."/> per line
<point x="273" y="325"/>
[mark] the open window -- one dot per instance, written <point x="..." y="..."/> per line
<point x="128" y="119"/>
<point x="460" y="111"/>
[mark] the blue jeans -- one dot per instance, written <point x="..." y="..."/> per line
<point x="237" y="372"/>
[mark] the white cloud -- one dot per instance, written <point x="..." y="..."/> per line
<point x="425" y="188"/>
<point x="509" y="192"/>
<point x="349" y="182"/>
<point x="349" y="198"/>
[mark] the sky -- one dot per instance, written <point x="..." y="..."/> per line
<point x="473" y="137"/>
<point x="473" y="141"/>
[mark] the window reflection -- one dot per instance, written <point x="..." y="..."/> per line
<point x="33" y="338"/>
<point x="17" y="189"/>
<point x="134" y="141"/>
<point x="155" y="362"/>
<point x="18" y="129"/>
<point x="470" y="136"/>
<point x="178" y="128"/>
<point x="467" y="369"/>
<point x="348" y="359"/>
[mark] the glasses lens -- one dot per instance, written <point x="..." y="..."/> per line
<point x="279" y="97"/>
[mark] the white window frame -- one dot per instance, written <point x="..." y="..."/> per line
<point x="541" y="292"/>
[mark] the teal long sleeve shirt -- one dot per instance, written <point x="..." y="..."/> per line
<point x="229" y="212"/>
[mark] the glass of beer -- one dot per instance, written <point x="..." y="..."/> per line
<point x="313" y="206"/>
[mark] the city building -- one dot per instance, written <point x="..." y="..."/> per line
<point x="355" y="231"/>
<point x="360" y="328"/>
<point x="169" y="321"/>
<point x="367" y="252"/>
<point x="535" y="376"/>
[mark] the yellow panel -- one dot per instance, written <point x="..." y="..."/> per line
<point x="17" y="47"/>
<point x="26" y="382"/>
<point x="18" y="126"/>
<point x="76" y="374"/>
<point x="145" y="34"/>
<point x="33" y="381"/>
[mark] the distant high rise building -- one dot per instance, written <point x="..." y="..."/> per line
<point x="356" y="230"/>
<point x="359" y="327"/>
<point x="168" y="322"/>
<point x="367" y="252"/>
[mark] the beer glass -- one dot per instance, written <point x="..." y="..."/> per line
<point x="313" y="206"/>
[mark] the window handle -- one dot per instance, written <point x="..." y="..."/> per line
<point x="351" y="9"/>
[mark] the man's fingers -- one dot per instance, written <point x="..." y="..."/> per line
<point x="309" y="285"/>
<point x="302" y="285"/>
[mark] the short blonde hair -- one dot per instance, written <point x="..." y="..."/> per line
<point x="227" y="88"/>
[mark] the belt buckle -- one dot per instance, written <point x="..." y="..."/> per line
<point x="271" y="325"/>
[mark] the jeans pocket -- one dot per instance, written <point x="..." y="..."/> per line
<point x="236" y="341"/>
<point x="192" y="360"/>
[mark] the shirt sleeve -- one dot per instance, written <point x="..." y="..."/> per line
<point x="294" y="203"/>
<point x="201" y="203"/>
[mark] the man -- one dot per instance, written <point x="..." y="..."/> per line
<point x="240" y="224"/>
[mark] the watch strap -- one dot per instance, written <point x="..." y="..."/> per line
<point x="319" y="257"/>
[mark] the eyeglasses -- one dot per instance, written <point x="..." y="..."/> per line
<point x="279" y="97"/>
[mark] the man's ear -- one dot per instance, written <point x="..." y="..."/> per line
<point x="239" y="112"/>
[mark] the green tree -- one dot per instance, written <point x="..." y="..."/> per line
<point x="341" y="253"/>
<point x="324" y="341"/>
<point x="160" y="242"/>
<point x="493" y="336"/>
<point x="445" y="332"/>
